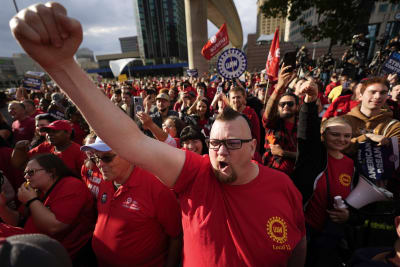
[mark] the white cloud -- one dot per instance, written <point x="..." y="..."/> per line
<point x="101" y="31"/>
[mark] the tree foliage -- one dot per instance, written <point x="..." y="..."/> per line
<point x="337" y="20"/>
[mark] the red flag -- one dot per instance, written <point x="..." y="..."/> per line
<point x="216" y="43"/>
<point x="272" y="65"/>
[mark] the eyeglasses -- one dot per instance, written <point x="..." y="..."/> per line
<point x="105" y="158"/>
<point x="289" y="103"/>
<point x="231" y="144"/>
<point x="32" y="172"/>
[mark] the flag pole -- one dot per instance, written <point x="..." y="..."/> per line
<point x="266" y="92"/>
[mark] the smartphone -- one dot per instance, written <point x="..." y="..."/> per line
<point x="219" y="89"/>
<point x="138" y="104"/>
<point x="289" y="59"/>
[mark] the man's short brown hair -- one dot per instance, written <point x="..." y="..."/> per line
<point x="237" y="89"/>
<point x="373" y="80"/>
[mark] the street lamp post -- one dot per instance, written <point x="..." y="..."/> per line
<point x="313" y="53"/>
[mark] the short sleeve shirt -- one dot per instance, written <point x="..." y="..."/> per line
<point x="255" y="224"/>
<point x="134" y="221"/>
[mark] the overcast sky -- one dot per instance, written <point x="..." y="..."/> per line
<point x="104" y="21"/>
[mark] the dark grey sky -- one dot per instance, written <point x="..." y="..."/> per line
<point x="104" y="21"/>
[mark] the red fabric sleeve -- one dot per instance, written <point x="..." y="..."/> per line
<point x="67" y="202"/>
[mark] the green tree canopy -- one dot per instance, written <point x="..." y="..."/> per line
<point x="338" y="20"/>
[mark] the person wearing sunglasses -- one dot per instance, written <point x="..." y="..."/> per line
<point x="235" y="212"/>
<point x="280" y="123"/>
<point x="54" y="202"/>
<point x="138" y="218"/>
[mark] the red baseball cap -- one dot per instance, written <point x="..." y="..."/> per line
<point x="60" y="125"/>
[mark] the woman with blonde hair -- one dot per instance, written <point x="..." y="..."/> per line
<point x="321" y="173"/>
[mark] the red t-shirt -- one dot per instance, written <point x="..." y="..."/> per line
<point x="71" y="202"/>
<point x="255" y="224"/>
<point x="134" y="222"/>
<point x="341" y="105"/>
<point x="92" y="178"/>
<point x="340" y="175"/>
<point x="73" y="157"/>
<point x="23" y="130"/>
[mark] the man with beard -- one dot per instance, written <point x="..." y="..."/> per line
<point x="280" y="123"/>
<point x="58" y="143"/>
<point x="235" y="212"/>
<point x="163" y="110"/>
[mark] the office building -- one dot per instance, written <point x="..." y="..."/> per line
<point x="129" y="44"/>
<point x="161" y="30"/>
<point x="267" y="26"/>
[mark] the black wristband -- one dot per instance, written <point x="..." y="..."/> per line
<point x="28" y="203"/>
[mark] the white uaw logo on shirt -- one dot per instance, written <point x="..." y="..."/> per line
<point x="277" y="231"/>
<point x="130" y="204"/>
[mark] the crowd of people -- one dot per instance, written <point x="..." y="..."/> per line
<point x="193" y="171"/>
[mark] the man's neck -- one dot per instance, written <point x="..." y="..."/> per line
<point x="240" y="110"/>
<point x="248" y="175"/>
<point x="369" y="112"/>
<point x="21" y="118"/>
<point x="125" y="175"/>
<point x="63" y="146"/>
<point x="290" y="120"/>
<point x="164" y="114"/>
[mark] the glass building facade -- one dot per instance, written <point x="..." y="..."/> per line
<point x="161" y="30"/>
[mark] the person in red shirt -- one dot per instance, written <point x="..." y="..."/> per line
<point x="138" y="217"/>
<point x="59" y="143"/>
<point x="334" y="82"/>
<point x="343" y="104"/>
<point x="322" y="172"/>
<point x="280" y="123"/>
<point x="90" y="173"/>
<point x="237" y="100"/>
<point x="59" y="205"/>
<point x="253" y="235"/>
<point x="23" y="126"/>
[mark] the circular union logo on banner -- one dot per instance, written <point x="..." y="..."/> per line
<point x="345" y="179"/>
<point x="277" y="229"/>
<point x="232" y="63"/>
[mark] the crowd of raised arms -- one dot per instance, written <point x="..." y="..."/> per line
<point x="198" y="171"/>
